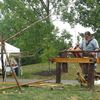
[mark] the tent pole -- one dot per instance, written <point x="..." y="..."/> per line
<point x="19" y="61"/>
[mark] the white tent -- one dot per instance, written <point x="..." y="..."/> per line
<point x="10" y="49"/>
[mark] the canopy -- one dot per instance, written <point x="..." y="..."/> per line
<point x="10" y="48"/>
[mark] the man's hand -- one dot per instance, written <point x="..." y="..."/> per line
<point x="77" y="49"/>
<point x="97" y="49"/>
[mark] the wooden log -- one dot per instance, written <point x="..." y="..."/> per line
<point x="22" y="84"/>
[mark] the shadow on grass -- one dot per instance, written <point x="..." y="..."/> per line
<point x="45" y="73"/>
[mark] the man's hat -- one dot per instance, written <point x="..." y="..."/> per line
<point x="87" y="33"/>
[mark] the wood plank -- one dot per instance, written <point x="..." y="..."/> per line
<point x="98" y="60"/>
<point x="72" y="60"/>
<point x="79" y="51"/>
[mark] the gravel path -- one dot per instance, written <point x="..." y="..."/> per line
<point x="72" y="82"/>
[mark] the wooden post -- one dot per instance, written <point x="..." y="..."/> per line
<point x="58" y="72"/>
<point x="2" y="61"/>
<point x="13" y="72"/>
<point x="64" y="65"/>
<point x="90" y="78"/>
<point x="19" y="64"/>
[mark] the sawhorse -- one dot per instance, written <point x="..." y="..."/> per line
<point x="59" y="61"/>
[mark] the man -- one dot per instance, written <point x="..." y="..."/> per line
<point x="88" y="44"/>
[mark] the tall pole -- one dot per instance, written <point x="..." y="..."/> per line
<point x="3" y="51"/>
<point x="13" y="72"/>
<point x="2" y="59"/>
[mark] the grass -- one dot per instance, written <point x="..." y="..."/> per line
<point x="44" y="71"/>
<point x="37" y="71"/>
<point x="69" y="92"/>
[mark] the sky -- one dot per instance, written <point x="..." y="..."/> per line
<point x="74" y="31"/>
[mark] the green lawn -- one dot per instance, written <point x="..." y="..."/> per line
<point x="44" y="71"/>
<point x="69" y="92"/>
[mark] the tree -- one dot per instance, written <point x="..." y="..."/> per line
<point x="88" y="13"/>
<point x="18" y="14"/>
<point x="85" y="12"/>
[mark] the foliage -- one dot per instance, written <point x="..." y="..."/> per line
<point x="86" y="13"/>
<point x="20" y="14"/>
<point x="97" y="35"/>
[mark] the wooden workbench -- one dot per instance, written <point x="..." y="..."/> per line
<point x="62" y="60"/>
